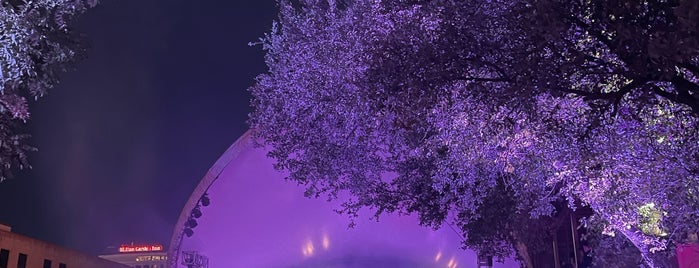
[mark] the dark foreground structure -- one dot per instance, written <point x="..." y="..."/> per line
<point x="18" y="251"/>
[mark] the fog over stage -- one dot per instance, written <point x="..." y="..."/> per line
<point x="257" y="219"/>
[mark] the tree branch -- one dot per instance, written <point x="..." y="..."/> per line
<point x="685" y="86"/>
<point x="481" y="79"/>
<point x="690" y="67"/>
<point x="682" y="96"/>
<point x="612" y="96"/>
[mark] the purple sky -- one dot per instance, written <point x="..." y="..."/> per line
<point x="127" y="135"/>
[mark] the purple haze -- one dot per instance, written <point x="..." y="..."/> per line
<point x="256" y="219"/>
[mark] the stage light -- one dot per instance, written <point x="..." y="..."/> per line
<point x="191" y="223"/>
<point x="188" y="231"/>
<point x="205" y="201"/>
<point x="196" y="212"/>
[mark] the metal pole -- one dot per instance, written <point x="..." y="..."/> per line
<point x="556" y="259"/>
<point x="572" y="231"/>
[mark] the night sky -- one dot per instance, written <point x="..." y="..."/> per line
<point x="128" y="134"/>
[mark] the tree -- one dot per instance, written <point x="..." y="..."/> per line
<point x="614" y="48"/>
<point x="460" y="111"/>
<point x="36" y="44"/>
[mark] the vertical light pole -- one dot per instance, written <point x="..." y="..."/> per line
<point x="556" y="258"/>
<point x="572" y="232"/>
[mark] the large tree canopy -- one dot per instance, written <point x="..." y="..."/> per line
<point x="36" y="44"/>
<point x="465" y="112"/>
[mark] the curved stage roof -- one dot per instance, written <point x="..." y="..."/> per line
<point x="257" y="219"/>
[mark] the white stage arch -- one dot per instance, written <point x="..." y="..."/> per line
<point x="257" y="219"/>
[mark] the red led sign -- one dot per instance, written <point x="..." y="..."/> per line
<point x="140" y="248"/>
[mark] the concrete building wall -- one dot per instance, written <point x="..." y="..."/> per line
<point x="37" y="251"/>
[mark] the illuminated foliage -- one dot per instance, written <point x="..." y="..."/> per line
<point x="36" y="44"/>
<point x="650" y="220"/>
<point x="464" y="112"/>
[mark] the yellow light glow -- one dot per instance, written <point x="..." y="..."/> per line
<point x="326" y="242"/>
<point x="452" y="263"/>
<point x="308" y="248"/>
<point x="438" y="257"/>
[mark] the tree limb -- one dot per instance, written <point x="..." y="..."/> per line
<point x="691" y="67"/>
<point x="612" y="96"/>
<point x="682" y="97"/>
<point x="481" y="79"/>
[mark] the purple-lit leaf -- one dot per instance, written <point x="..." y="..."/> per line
<point x="488" y="114"/>
<point x="36" y="45"/>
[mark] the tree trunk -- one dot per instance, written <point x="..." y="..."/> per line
<point x="523" y="253"/>
<point x="650" y="259"/>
